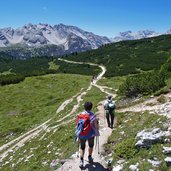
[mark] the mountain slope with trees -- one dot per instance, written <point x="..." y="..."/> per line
<point x="129" y="57"/>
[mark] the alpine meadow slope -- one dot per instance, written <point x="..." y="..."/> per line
<point x="129" y="57"/>
<point x="43" y="107"/>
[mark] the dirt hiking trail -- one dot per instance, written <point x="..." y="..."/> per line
<point x="72" y="164"/>
<point x="99" y="164"/>
<point x="153" y="105"/>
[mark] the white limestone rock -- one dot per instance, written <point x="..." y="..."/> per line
<point x="167" y="150"/>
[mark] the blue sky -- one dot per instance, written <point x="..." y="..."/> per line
<point x="103" y="17"/>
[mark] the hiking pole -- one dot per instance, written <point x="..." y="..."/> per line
<point x="96" y="142"/>
<point x="98" y="145"/>
<point x="78" y="149"/>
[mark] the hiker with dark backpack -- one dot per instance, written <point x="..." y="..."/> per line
<point x="109" y="107"/>
<point x="87" y="129"/>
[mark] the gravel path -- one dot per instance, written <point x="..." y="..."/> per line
<point x="99" y="164"/>
<point x="21" y="140"/>
<point x="153" y="105"/>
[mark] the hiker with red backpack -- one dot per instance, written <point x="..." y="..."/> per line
<point x="87" y="129"/>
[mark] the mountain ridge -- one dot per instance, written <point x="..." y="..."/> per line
<point x="35" y="35"/>
<point x="47" y="40"/>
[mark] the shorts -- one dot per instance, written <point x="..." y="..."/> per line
<point x="90" y="143"/>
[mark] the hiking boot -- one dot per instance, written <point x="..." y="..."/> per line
<point x="90" y="159"/>
<point x="81" y="164"/>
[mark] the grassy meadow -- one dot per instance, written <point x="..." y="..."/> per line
<point x="52" y="144"/>
<point x="121" y="144"/>
<point x="34" y="101"/>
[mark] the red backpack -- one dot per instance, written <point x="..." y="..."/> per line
<point x="83" y="129"/>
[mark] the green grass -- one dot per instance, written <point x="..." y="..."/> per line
<point x="61" y="141"/>
<point x="168" y="82"/>
<point x="95" y="96"/>
<point x="6" y="72"/>
<point x="123" y="145"/>
<point x="44" y="150"/>
<point x="53" y="66"/>
<point x="129" y="57"/>
<point x="112" y="82"/>
<point x="34" y="101"/>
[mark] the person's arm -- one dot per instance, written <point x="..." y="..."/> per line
<point x="96" y="124"/>
<point x="105" y="104"/>
<point x="96" y="127"/>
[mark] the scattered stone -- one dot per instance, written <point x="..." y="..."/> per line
<point x="44" y="163"/>
<point x="13" y="165"/>
<point x="169" y="129"/>
<point x="26" y="160"/>
<point x="110" y="154"/>
<point x="48" y="145"/>
<point x="167" y="140"/>
<point x="54" y="164"/>
<point x="118" y="168"/>
<point x="167" y="150"/>
<point x="30" y="156"/>
<point x="56" y="153"/>
<point x="11" y="151"/>
<point x="134" y="167"/>
<point x="121" y="161"/>
<point x="10" y="158"/>
<point x="167" y="133"/>
<point x="122" y="133"/>
<point x="75" y="155"/>
<point x="168" y="161"/>
<point x="154" y="163"/>
<point x="7" y="162"/>
<point x="149" y="137"/>
<point x="19" y="160"/>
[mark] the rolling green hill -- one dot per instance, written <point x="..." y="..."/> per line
<point x="36" y="99"/>
<point x="18" y="69"/>
<point x="129" y="57"/>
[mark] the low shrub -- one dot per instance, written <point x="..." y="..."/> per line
<point x="144" y="84"/>
<point x="11" y="79"/>
<point x="126" y="149"/>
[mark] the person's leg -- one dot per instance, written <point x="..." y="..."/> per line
<point x="82" y="150"/>
<point x="90" y="150"/>
<point x="112" y="119"/>
<point x="108" y="120"/>
<point x="82" y="147"/>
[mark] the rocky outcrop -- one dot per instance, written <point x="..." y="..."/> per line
<point x="148" y="137"/>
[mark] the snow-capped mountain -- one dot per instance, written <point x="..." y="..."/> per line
<point x="168" y="31"/>
<point x="129" y="35"/>
<point x="67" y="37"/>
<point x="44" y="39"/>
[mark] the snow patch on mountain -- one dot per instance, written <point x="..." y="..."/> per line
<point x="44" y="34"/>
<point x="129" y="35"/>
